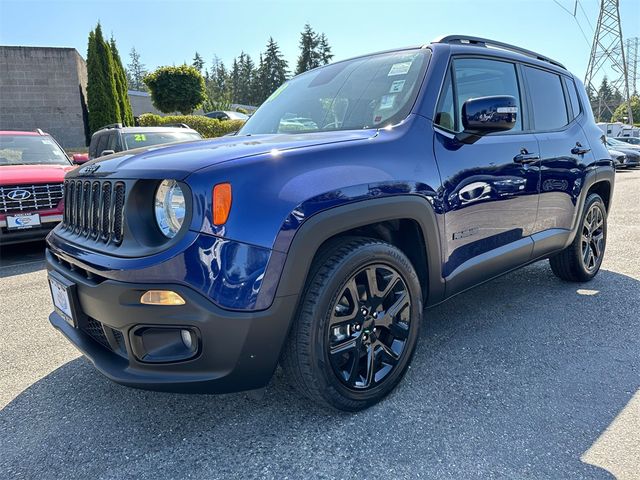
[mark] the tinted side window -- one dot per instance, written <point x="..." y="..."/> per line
<point x="101" y="144"/>
<point x="573" y="97"/>
<point x="547" y="96"/>
<point x="111" y="143"/>
<point x="479" y="77"/>
<point x="93" y="146"/>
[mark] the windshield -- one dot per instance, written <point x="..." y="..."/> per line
<point x="31" y="150"/>
<point x="612" y="142"/>
<point x="147" y="139"/>
<point x="367" y="92"/>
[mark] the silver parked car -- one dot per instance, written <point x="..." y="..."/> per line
<point x="631" y="152"/>
<point x="618" y="158"/>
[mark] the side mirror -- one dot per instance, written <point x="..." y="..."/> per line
<point x="80" y="158"/>
<point x="484" y="115"/>
<point x="107" y="152"/>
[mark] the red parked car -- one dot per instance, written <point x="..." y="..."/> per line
<point x="32" y="169"/>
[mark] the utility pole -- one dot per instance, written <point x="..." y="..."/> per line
<point x="632" y="62"/>
<point x="607" y="49"/>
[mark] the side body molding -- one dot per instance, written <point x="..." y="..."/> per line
<point x="286" y="273"/>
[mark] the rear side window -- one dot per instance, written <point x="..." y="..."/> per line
<point x="547" y="96"/>
<point x="474" y="78"/>
<point x="101" y="144"/>
<point x="112" y="142"/>
<point x="573" y="97"/>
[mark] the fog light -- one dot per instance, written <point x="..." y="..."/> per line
<point x="186" y="338"/>
<point x="161" y="297"/>
<point x="152" y="344"/>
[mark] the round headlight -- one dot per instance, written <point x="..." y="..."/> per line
<point x="170" y="207"/>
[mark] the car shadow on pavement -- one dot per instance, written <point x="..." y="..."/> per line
<point x="514" y="379"/>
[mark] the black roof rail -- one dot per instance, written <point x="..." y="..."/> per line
<point x="485" y="42"/>
<point x="112" y="125"/>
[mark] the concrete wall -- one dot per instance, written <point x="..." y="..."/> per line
<point x="42" y="87"/>
<point x="141" y="103"/>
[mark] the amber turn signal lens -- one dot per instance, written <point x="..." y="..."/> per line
<point x="221" y="203"/>
<point x="161" y="297"/>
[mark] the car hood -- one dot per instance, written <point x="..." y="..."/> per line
<point x="179" y="160"/>
<point x="29" y="174"/>
<point x="628" y="151"/>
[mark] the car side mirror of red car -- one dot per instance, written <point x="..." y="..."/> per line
<point x="80" y="158"/>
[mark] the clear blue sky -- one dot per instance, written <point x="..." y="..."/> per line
<point x="169" y="32"/>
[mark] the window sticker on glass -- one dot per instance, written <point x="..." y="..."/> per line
<point x="140" y="137"/>
<point x="386" y="102"/>
<point x="397" y="86"/>
<point x="399" y="68"/>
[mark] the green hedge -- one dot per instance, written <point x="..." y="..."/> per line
<point x="205" y="126"/>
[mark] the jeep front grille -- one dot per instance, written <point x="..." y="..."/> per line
<point x="95" y="209"/>
<point x="38" y="197"/>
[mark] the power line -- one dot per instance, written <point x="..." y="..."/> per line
<point x="586" y="17"/>
<point x="584" y="35"/>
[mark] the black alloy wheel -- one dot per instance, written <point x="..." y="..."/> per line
<point x="357" y="324"/>
<point x="369" y="326"/>
<point x="592" y="244"/>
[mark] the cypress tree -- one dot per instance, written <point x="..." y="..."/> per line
<point x="102" y="98"/>
<point x="120" y="79"/>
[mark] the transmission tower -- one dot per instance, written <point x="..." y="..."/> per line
<point x="632" y="64"/>
<point x="607" y="50"/>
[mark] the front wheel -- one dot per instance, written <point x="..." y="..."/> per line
<point x="581" y="260"/>
<point x="357" y="325"/>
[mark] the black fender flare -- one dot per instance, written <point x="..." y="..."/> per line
<point x="601" y="174"/>
<point x="326" y="224"/>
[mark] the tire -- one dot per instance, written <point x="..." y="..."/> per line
<point x="360" y="371"/>
<point x="581" y="260"/>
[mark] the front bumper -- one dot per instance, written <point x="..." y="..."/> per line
<point x="238" y="350"/>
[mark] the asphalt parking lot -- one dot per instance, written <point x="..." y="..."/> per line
<point x="523" y="377"/>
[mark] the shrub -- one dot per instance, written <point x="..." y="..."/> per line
<point x="176" y="89"/>
<point x="205" y="126"/>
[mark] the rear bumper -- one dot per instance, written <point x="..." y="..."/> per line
<point x="238" y="350"/>
<point x="48" y="223"/>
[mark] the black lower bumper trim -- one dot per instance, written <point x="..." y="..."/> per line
<point x="239" y="350"/>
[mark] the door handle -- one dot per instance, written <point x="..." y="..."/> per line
<point x="579" y="149"/>
<point x="525" y="157"/>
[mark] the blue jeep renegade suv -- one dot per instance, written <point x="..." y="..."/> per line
<point x="358" y="194"/>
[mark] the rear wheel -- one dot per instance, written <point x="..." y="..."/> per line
<point x="357" y="326"/>
<point x="581" y="260"/>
